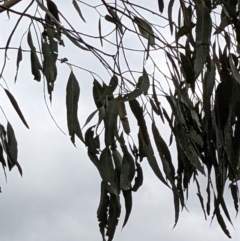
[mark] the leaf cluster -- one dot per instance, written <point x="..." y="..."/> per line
<point x="195" y="97"/>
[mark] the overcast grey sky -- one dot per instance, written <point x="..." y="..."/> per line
<point x="58" y="195"/>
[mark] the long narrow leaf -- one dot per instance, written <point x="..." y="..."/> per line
<point x="72" y="97"/>
<point x="78" y="9"/>
<point x="16" y="107"/>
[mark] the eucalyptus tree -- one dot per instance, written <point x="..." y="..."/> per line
<point x="195" y="94"/>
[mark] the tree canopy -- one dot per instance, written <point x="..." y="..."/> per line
<point x="170" y="65"/>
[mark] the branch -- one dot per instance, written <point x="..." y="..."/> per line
<point x="8" y="5"/>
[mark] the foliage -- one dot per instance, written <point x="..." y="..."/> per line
<point x="196" y="97"/>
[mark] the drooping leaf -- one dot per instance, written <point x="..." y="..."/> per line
<point x="110" y="121"/>
<point x="132" y="95"/>
<point x="138" y="179"/>
<point x="200" y="198"/>
<point x="130" y="161"/>
<point x="3" y="138"/>
<point x="90" y="141"/>
<point x="201" y="57"/>
<point x="12" y="149"/>
<point x="106" y="166"/>
<point x="234" y="69"/>
<point x="72" y="97"/>
<point x="170" y="6"/>
<point x="145" y="29"/>
<point x="143" y="82"/>
<point x="116" y="19"/>
<point x="102" y="211"/>
<point x="35" y="64"/>
<point x="154" y="107"/>
<point x="19" y="59"/>
<point x="167" y="167"/>
<point x="100" y="31"/>
<point x="114" y="211"/>
<point x="189" y="150"/>
<point x="157" y="103"/>
<point x="161" y="5"/>
<point x="123" y="117"/>
<point x="203" y="34"/>
<point x="90" y="118"/>
<point x="141" y="87"/>
<point x="225" y="210"/>
<point x="208" y="84"/>
<point x="113" y="18"/>
<point x="97" y="93"/>
<point x="187" y="67"/>
<point x="2" y="159"/>
<point x="185" y="171"/>
<point x="113" y="84"/>
<point x="164" y="153"/>
<point x="16" y="107"/>
<point x="153" y="163"/>
<point x="78" y="9"/>
<point x="221" y="221"/>
<point x="138" y="113"/>
<point x="208" y="205"/>
<point x="127" y="194"/>
<point x="185" y="30"/>
<point x="74" y="41"/>
<point x="117" y="160"/>
<point x="124" y="180"/>
<point x="235" y="195"/>
<point x="109" y="19"/>
<point x="108" y="90"/>
<point x="222" y="102"/>
<point x="101" y="114"/>
<point x="229" y="148"/>
<point x="50" y="55"/>
<point x="52" y="7"/>
<point x="184" y="141"/>
<point x="203" y="25"/>
<point x="174" y="66"/>
<point x="114" y="214"/>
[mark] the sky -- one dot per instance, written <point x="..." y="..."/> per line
<point x="58" y="195"/>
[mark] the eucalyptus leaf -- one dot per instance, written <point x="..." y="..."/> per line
<point x="100" y="31"/>
<point x="72" y="97"/>
<point x="128" y="205"/>
<point x="19" y="59"/>
<point x="145" y="29"/>
<point x="102" y="211"/>
<point x="124" y="181"/>
<point x="106" y="168"/>
<point x="143" y="83"/>
<point x="235" y="72"/>
<point x="138" y="179"/>
<point x="110" y="121"/>
<point x="12" y="149"/>
<point x="16" y="107"/>
<point x="35" y="63"/>
<point x="115" y="19"/>
<point x="78" y="9"/>
<point x="90" y="118"/>
<point x="161" y="5"/>
<point x="123" y="117"/>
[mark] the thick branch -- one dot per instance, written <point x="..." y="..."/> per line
<point x="8" y="4"/>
